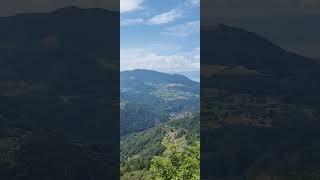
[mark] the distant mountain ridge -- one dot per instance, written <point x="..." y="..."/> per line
<point x="154" y="77"/>
<point x="161" y="94"/>
<point x="193" y="75"/>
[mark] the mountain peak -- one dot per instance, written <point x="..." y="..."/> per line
<point x="155" y="76"/>
<point x="228" y="46"/>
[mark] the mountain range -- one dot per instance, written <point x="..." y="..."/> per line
<point x="150" y="97"/>
<point x="263" y="66"/>
<point x="59" y="83"/>
<point x="59" y="89"/>
<point x="259" y="108"/>
<point x="156" y="109"/>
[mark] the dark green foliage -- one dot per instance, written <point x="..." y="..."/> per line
<point x="177" y="164"/>
<point x="145" y="144"/>
<point x="138" y="149"/>
<point x="188" y="126"/>
<point x="135" y="118"/>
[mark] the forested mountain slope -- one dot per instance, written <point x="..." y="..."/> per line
<point x="260" y="114"/>
<point x="149" y="97"/>
<point x="58" y="96"/>
<point x="157" y="110"/>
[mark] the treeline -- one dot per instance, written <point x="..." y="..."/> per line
<point x="173" y="164"/>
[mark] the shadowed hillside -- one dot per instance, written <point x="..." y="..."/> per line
<point x="58" y="95"/>
<point x="259" y="109"/>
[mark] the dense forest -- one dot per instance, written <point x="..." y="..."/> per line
<point x="160" y="126"/>
<point x="140" y="152"/>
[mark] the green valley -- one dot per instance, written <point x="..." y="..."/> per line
<point x="159" y="119"/>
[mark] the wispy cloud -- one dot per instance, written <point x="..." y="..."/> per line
<point x="184" y="30"/>
<point x="165" y="17"/>
<point x="130" y="22"/>
<point x="194" y="2"/>
<point x="143" y="59"/>
<point x="129" y="5"/>
<point x="161" y="52"/>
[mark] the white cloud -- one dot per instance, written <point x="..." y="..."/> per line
<point x="129" y="5"/>
<point x="197" y="55"/>
<point x="165" y="17"/>
<point x="130" y="22"/>
<point x="156" y="20"/>
<point x="143" y="59"/>
<point x="194" y="2"/>
<point x="184" y="30"/>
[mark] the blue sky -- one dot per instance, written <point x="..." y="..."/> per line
<point x="160" y="35"/>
